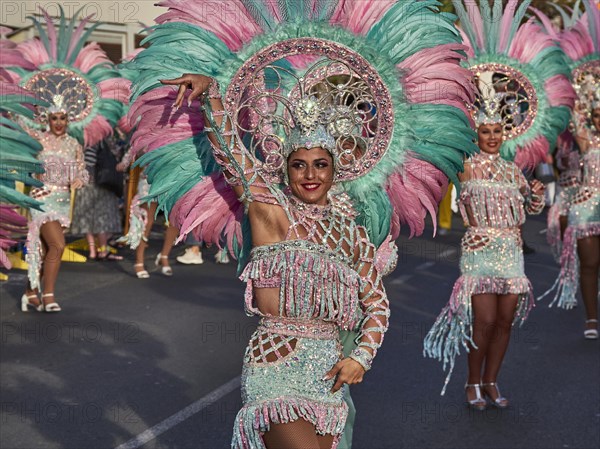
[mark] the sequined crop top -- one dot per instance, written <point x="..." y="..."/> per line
<point x="62" y="157"/>
<point x="325" y="268"/>
<point x="497" y="195"/>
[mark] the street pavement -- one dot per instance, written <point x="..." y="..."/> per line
<point x="155" y="363"/>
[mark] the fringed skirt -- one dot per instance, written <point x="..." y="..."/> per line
<point x="56" y="207"/>
<point x="491" y="262"/>
<point x="584" y="221"/>
<point x="560" y="208"/>
<point x="284" y="364"/>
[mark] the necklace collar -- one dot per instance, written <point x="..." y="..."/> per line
<point x="313" y="211"/>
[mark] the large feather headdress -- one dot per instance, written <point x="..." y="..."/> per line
<point x="60" y="68"/>
<point x="526" y="67"/>
<point x="407" y="52"/>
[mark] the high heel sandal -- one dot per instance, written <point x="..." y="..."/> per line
<point x="500" y="401"/>
<point x="591" y="334"/>
<point x="143" y="274"/>
<point x="107" y="254"/>
<point x="479" y="403"/>
<point x="90" y="246"/>
<point x="167" y="271"/>
<point x="52" y="307"/>
<point x="25" y="304"/>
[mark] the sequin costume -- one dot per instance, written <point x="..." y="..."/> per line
<point x="62" y="158"/>
<point x="138" y="217"/>
<point x="584" y="221"/>
<point x="493" y="203"/>
<point x="328" y="279"/>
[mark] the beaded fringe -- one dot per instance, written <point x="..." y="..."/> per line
<point x="255" y="419"/>
<point x="501" y="206"/>
<point x="567" y="283"/>
<point x="311" y="286"/>
<point x="34" y="244"/>
<point x="454" y="326"/>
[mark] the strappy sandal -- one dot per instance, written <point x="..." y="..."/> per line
<point x="591" y="334"/>
<point x="500" y="401"/>
<point x="53" y="307"/>
<point x="26" y="304"/>
<point x="90" y="246"/>
<point x="107" y="254"/>
<point x="167" y="271"/>
<point x="142" y="274"/>
<point x="479" y="403"/>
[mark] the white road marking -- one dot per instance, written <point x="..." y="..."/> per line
<point x="182" y="415"/>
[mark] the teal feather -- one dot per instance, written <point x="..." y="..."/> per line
<point x="374" y="212"/>
<point x="64" y="38"/>
<point x="519" y="15"/>
<point x="84" y="38"/>
<point x="174" y="169"/>
<point x="260" y="14"/>
<point x="42" y="34"/>
<point x="465" y="23"/>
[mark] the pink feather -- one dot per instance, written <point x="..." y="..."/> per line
<point x="560" y="92"/>
<point x="209" y="210"/>
<point x="90" y="56"/>
<point x="77" y="35"/>
<point x="228" y="20"/>
<point x="531" y="154"/>
<point x="506" y="24"/>
<point x="10" y="55"/>
<point x="414" y="192"/>
<point x="117" y="89"/>
<point x="359" y="16"/>
<point x="98" y="129"/>
<point x="51" y="31"/>
<point x="529" y="41"/>
<point x="11" y="222"/>
<point x="469" y="46"/>
<point x="577" y="42"/>
<point x="34" y="51"/>
<point x="432" y="76"/>
<point x="476" y="22"/>
<point x="153" y="112"/>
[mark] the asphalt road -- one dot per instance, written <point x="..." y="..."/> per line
<point x="155" y="363"/>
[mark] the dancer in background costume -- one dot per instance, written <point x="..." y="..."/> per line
<point x="85" y="95"/>
<point x="580" y="254"/>
<point x="493" y="292"/>
<point x="310" y="165"/>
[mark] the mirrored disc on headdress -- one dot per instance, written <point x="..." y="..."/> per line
<point x="315" y="89"/>
<point x="64" y="90"/>
<point x="505" y="96"/>
<point x="586" y="82"/>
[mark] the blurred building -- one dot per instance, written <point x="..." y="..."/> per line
<point x="119" y="34"/>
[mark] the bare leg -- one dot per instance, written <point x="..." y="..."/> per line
<point x="91" y="241"/>
<point x="299" y="434"/>
<point x="588" y="250"/>
<point x="141" y="249"/>
<point x="54" y="240"/>
<point x="507" y="305"/>
<point x="170" y="235"/>
<point x="563" y="221"/>
<point x="484" y="317"/>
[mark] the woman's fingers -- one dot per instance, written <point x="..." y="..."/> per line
<point x="195" y="94"/>
<point x="180" y="95"/>
<point x="332" y="372"/>
<point x="176" y="81"/>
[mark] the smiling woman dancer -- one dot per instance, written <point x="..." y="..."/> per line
<point x="308" y="161"/>
<point x="516" y="87"/>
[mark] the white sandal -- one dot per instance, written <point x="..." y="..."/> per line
<point x="53" y="306"/>
<point x="479" y="403"/>
<point x="143" y="274"/>
<point x="167" y="271"/>
<point x="591" y="334"/>
<point x="25" y="304"/>
<point x="500" y="401"/>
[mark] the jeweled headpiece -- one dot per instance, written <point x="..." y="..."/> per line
<point x="487" y="111"/>
<point x="311" y="128"/>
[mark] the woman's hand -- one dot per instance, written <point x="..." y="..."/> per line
<point x="198" y="83"/>
<point x="537" y="188"/>
<point x="121" y="167"/>
<point x="77" y="184"/>
<point x="348" y="371"/>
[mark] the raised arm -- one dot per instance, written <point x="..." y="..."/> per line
<point x="240" y="167"/>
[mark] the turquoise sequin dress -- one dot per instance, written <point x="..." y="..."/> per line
<point x="62" y="157"/>
<point x="493" y="204"/>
